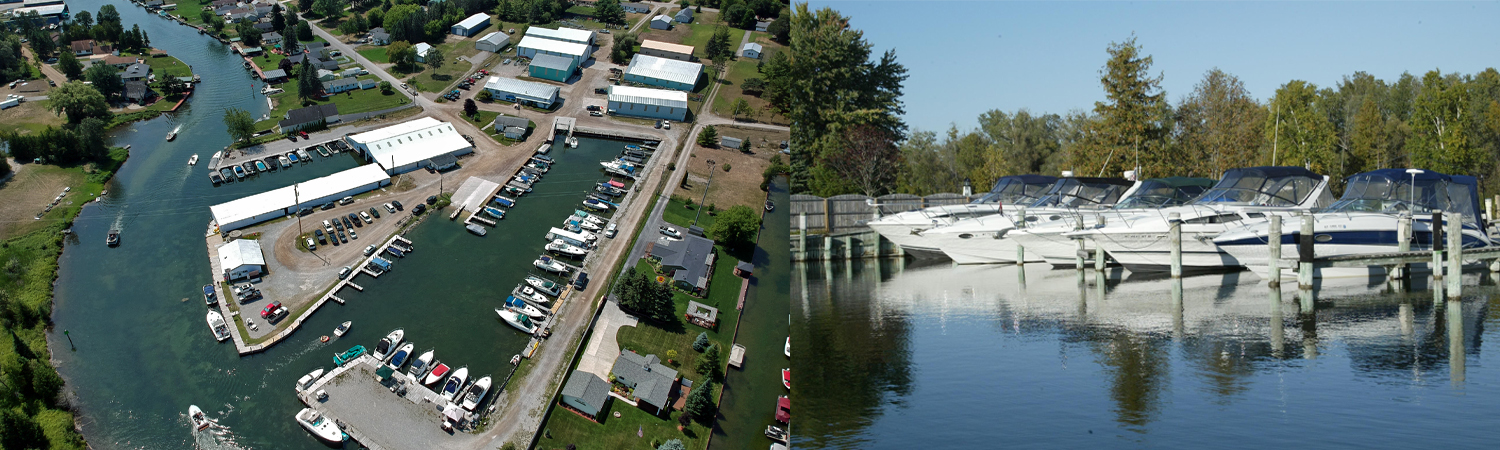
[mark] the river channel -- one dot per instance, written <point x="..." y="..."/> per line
<point x="941" y="356"/>
<point x="143" y="352"/>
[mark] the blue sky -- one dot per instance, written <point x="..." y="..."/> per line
<point x="965" y="58"/>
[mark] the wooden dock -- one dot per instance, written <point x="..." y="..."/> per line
<point x="563" y="125"/>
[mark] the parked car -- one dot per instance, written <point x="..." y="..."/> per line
<point x="658" y="124"/>
<point x="269" y="309"/>
<point x="311" y="245"/>
<point x="304" y="133"/>
<point x="397" y="203"/>
<point x="671" y="232"/>
<point x="507" y="62"/>
<point x="601" y="91"/>
<point x="353" y="235"/>
<point x="596" y="114"/>
<point x="304" y="211"/>
<point x="375" y="212"/>
<point x="431" y="199"/>
<point x="347" y="225"/>
<point x="318" y="233"/>
<point x="344" y="272"/>
<point x="610" y="230"/>
<point x="419" y="209"/>
<point x="342" y="238"/>
<point x="369" y="250"/>
<point x="390" y="208"/>
<point x="338" y="225"/>
<point x="366" y="216"/>
<point x="327" y="206"/>
<point x="666" y="124"/>
<point x="356" y="220"/>
<point x="581" y="281"/>
<point x="346" y="200"/>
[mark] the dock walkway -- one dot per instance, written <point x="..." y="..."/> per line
<point x="563" y="125"/>
<point x="377" y="417"/>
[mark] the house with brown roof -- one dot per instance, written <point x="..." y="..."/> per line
<point x="83" y="47"/>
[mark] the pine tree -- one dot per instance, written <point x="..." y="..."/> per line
<point x="701" y="342"/>
<point x="1132" y="125"/>
<point x="708" y="137"/>
<point x="700" y="402"/>
<point x="708" y="364"/>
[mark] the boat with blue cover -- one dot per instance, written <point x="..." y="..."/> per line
<point x="504" y="201"/>
<point x="520" y="306"/>
<point x="596" y="205"/>
<point x="494" y="212"/>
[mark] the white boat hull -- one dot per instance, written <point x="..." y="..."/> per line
<point x="1057" y="250"/>
<point x="320" y="426"/>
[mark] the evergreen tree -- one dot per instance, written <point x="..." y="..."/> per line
<point x="708" y="364"/>
<point x="708" y="137"/>
<point x="278" y="21"/>
<point x="308" y="86"/>
<point x="700" y="402"/>
<point x="304" y="31"/>
<point x="1131" y="128"/>
<point x="701" y="342"/>
<point x="718" y="44"/>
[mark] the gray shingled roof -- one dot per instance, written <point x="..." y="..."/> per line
<point x="691" y="254"/>
<point x="310" y="114"/>
<point x="512" y="121"/>
<point x="588" y="387"/>
<point x="653" y="381"/>
<point x="136" y="70"/>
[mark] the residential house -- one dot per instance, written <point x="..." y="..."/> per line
<point x="422" y="48"/>
<point x="271" y="38"/>
<point x="689" y="260"/>
<point x="275" y="76"/>
<point x="238" y="15"/>
<point x="514" y="132"/>
<point x="137" y="91"/>
<point x="513" y="127"/>
<point x="327" y="75"/>
<point x="651" y="382"/>
<point x="762" y="26"/>
<point x="635" y="7"/>
<point x="136" y="72"/>
<point x="340" y="85"/>
<point x="729" y="142"/>
<point x="352" y="72"/>
<point x="661" y="22"/>
<point x="302" y="117"/>
<point x="684" y="15"/>
<point x="264" y="27"/>
<point x="368" y="83"/>
<point x="83" y="47"/>
<point x="378" y="36"/>
<point x="318" y="62"/>
<point x="751" y="50"/>
<point x="120" y="62"/>
<point x="585" y="394"/>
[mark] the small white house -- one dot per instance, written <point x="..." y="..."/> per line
<point x="422" y="48"/>
<point x="661" y="22"/>
<point x="751" y="50"/>
<point x="241" y="258"/>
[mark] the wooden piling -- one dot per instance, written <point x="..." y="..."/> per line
<point x="1079" y="254"/>
<point x="1437" y="245"/>
<point x="1020" y="222"/>
<point x="1455" y="257"/>
<point x="1403" y="244"/>
<point x="1175" y="234"/>
<point x="1273" y="239"/>
<point x="1305" y="254"/>
<point x="1099" y="259"/>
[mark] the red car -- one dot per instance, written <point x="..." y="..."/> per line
<point x="269" y="309"/>
<point x="303" y="133"/>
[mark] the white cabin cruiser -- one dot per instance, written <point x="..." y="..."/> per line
<point x="982" y="240"/>
<point x="1046" y="240"/>
<point x="1141" y="242"/>
<point x="903" y="228"/>
<point x="1365" y="221"/>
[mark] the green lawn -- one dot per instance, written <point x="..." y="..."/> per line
<point x="375" y="55"/>
<point x="678" y="213"/>
<point x="740" y="70"/>
<point x="436" y="80"/>
<point x="565" y="428"/>
<point x="702" y="31"/>
<point x="351" y="102"/>
<point x="174" y="67"/>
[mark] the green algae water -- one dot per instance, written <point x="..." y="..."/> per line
<point x="135" y="312"/>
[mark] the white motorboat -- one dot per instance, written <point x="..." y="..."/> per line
<point x="530" y="294"/>
<point x="596" y="220"/>
<point x="476" y="392"/>
<point x="572" y="142"/>
<point x="1045" y="239"/>
<point x="454" y="383"/>
<point x="200" y="421"/>
<point x="216" y="323"/>
<point x="618" y="164"/>
<point x="1141" y="243"/>
<point x="548" y="264"/>
<point x="1365" y="221"/>
<point x="320" y="426"/>
<point x="904" y="228"/>
<point x="517" y="320"/>
<point x="544" y="286"/>
<point x="193" y="160"/>
<point x="399" y="358"/>
<point x="560" y="247"/>
<point x="439" y="370"/>
<point x="584" y="224"/>
<point x="788" y="349"/>
<point x="343" y="328"/>
<point x="422" y="363"/>
<point x="307" y="380"/>
<point x="546" y="147"/>
<point x="520" y="306"/>
<point x="387" y="344"/>
<point x="982" y="240"/>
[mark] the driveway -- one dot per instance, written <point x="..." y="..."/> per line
<point x="603" y="348"/>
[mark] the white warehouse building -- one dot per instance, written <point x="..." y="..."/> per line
<point x="272" y="204"/>
<point x="663" y="72"/>
<point x="407" y="146"/>
<point x="540" y="95"/>
<point x="573" y="35"/>
<point x="241" y="258"/>
<point x="649" y="103"/>
<point x="530" y="46"/>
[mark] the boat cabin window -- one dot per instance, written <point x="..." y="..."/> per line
<point x="1155" y="194"/>
<point x="1015" y="191"/>
<point x="1218" y="218"/>
<point x="1071" y="193"/>
<point x="1254" y="189"/>
<point x="1381" y="193"/>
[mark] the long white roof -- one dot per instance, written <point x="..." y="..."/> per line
<point x="240" y="252"/>
<point x="562" y="34"/>
<point x="526" y="88"/>
<point x="667" y="47"/>
<point x="405" y="143"/>
<point x="554" y="46"/>
<point x="645" y="96"/>
<point x="474" y="20"/>
<point x="664" y="69"/>
<point x="281" y="199"/>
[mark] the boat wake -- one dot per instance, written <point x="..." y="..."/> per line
<point x="215" y="437"/>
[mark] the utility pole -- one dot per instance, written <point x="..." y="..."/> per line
<point x="297" y="203"/>
<point x="711" y="167"/>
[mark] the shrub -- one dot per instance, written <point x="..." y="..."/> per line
<point x="726" y="167"/>
<point x="671" y="166"/>
<point x="701" y="343"/>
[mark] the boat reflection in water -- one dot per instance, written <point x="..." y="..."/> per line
<point x="1170" y="362"/>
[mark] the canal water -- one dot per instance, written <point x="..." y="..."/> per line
<point x="143" y="351"/>
<point x="939" y="356"/>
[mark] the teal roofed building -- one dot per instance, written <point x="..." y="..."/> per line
<point x="553" y="67"/>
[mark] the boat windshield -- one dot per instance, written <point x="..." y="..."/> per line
<point x="1256" y="188"/>
<point x="1076" y="193"/>
<point x="1394" y="193"/>
<point x="1017" y="190"/>
<point x="1159" y="194"/>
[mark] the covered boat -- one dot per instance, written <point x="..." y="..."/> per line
<point x="455" y="382"/>
<point x="520" y="306"/>
<point x="546" y="263"/>
<point x="210" y="295"/>
<point x="388" y="344"/>
<point x="982" y="240"/>
<point x="596" y="205"/>
<point x="1044" y="238"/>
<point x="320" y="426"/>
<point x="476" y="392"/>
<point x="596" y="220"/>
<point x="548" y="287"/>
<point x="421" y="364"/>
<point x="517" y="320"/>
<point x="399" y="358"/>
<point x="476" y="229"/>
<point x="904" y="228"/>
<point x="504" y="201"/>
<point x="494" y="212"/>
<point x="439" y="370"/>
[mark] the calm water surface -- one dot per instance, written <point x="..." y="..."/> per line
<point x="899" y="355"/>
<point x="135" y="312"/>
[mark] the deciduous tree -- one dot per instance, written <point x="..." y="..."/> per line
<point x="104" y="78"/>
<point x="470" y="109"/>
<point x="868" y="160"/>
<point x="241" y="125"/>
<point x="1218" y="127"/>
<point x="736" y="227"/>
<point x="1440" y="128"/>
<point x="79" y="101"/>
<point x="69" y="65"/>
<point x="1297" y="131"/>
<point x="434" y="59"/>
<point x="609" y="12"/>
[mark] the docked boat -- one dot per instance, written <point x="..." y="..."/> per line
<point x="421" y="364"/>
<point x="216" y="178"/>
<point x="520" y="306"/>
<point x="546" y="147"/>
<point x="323" y="152"/>
<point x="563" y="248"/>
<point x="608" y="190"/>
<point x="596" y="205"/>
<point x="239" y="173"/>
<point x="904" y="229"/>
<point x="113" y="239"/>
<point x="261" y="166"/>
<point x="539" y="166"/>
<point x="542" y="158"/>
<point x="504" y="201"/>
<point x="303" y="156"/>
<point x="602" y="200"/>
<point x="307" y="380"/>
<point x="494" y="212"/>
<point x="349" y="355"/>
<point x="545" y="286"/>
<point x="786" y="377"/>
<point x="193" y="160"/>
<point x="1365" y="220"/>
<point x="454" y="383"/>
<point x="572" y="142"/>
<point x="216" y="323"/>
<point x="200" y="421"/>
<point x="292" y="156"/>
<point x="476" y="229"/>
<point x="399" y="358"/>
<point x="589" y="217"/>
<point x="343" y="328"/>
<point x="393" y="251"/>
<point x="210" y="295"/>
<point x="387" y="344"/>
<point x="320" y="426"/>
<point x="512" y="190"/>
<point x="476" y="393"/>
<point x="529" y="294"/>
<point x="633" y="147"/>
<point x="981" y="240"/>
<point x="618" y="164"/>
<point x="546" y="263"/>
<point x="172" y="136"/>
<point x="286" y="163"/>
<point x="584" y="224"/>
<point x="776" y="433"/>
<point x="517" y="320"/>
<point x="1045" y="238"/>
<point x="1242" y="196"/>
<point x="439" y="370"/>
<point x="788" y="348"/>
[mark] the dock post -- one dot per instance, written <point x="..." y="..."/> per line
<point x="1099" y="259"/>
<point x="802" y="237"/>
<point x="1079" y="261"/>
<point x="828" y="247"/>
<point x="1020" y="223"/>
<point x="1403" y="244"/>
<point x="1305" y="254"/>
<point x="1273" y="263"/>
<point x="1489" y="209"/>
<point x="1455" y="257"/>
<point x="1278" y="327"/>
<point x="848" y="247"/>
<point x="1437" y="246"/>
<point x="1175" y="221"/>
